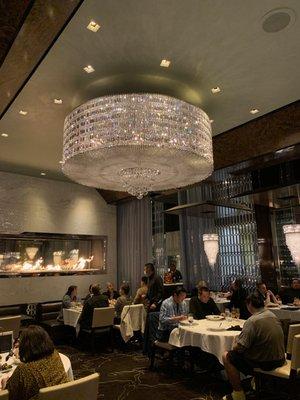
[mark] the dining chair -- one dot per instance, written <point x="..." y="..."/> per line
<point x="293" y="330"/>
<point x="12" y="323"/>
<point x="81" y="389"/>
<point x="288" y="371"/>
<point x="3" y="394"/>
<point x="103" y="319"/>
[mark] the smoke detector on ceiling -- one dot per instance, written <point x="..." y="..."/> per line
<point x="278" y="19"/>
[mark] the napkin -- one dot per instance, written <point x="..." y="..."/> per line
<point x="234" y="328"/>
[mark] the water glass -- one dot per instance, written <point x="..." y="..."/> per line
<point x="227" y="314"/>
<point x="190" y="318"/>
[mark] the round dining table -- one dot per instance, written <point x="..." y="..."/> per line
<point x="210" y="336"/>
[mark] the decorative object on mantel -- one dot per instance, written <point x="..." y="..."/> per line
<point x="292" y="239"/>
<point x="211" y="247"/>
<point x="137" y="142"/>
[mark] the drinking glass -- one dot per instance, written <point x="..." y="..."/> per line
<point x="227" y="314"/>
<point x="190" y="318"/>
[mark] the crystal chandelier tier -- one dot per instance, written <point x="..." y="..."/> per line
<point x="137" y="142"/>
<point x="292" y="238"/>
<point x="211" y="247"/>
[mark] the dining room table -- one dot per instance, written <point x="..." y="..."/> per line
<point x="286" y="311"/>
<point x="211" y="336"/>
<point x="13" y="362"/>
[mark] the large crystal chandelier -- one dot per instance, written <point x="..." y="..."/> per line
<point x="292" y="239"/>
<point x="137" y="142"/>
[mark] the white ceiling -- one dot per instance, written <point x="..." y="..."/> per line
<point x="209" y="43"/>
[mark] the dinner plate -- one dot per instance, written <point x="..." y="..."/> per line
<point x="6" y="370"/>
<point x="217" y="328"/>
<point x="214" y="317"/>
<point x="187" y="323"/>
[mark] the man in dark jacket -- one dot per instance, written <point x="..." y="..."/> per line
<point x="155" y="288"/>
<point x="98" y="300"/>
<point x="203" y="305"/>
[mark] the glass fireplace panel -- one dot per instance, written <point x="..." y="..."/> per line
<point x="44" y="254"/>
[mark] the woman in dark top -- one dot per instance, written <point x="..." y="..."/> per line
<point x="203" y="305"/>
<point x="69" y="297"/>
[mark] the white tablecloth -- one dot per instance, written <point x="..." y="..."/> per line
<point x="133" y="318"/>
<point x="65" y="360"/>
<point x="200" y="335"/>
<point x="71" y="316"/>
<point x="282" y="313"/>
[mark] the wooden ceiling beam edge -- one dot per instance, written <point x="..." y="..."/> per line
<point x="36" y="37"/>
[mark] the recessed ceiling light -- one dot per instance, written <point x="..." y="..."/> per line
<point x="4" y="134"/>
<point x="278" y="19"/>
<point x="215" y="90"/>
<point x="165" y="63"/>
<point x="254" y="111"/>
<point x="61" y="162"/>
<point x="93" y="26"/>
<point x="57" y="101"/>
<point x="89" y="69"/>
<point x="23" y="112"/>
<point x="43" y="173"/>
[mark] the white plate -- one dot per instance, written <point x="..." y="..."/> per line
<point x="187" y="323"/>
<point x="6" y="370"/>
<point x="214" y="317"/>
<point x="217" y="328"/>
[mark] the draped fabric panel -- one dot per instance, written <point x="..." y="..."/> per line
<point x="194" y="263"/>
<point x="134" y="226"/>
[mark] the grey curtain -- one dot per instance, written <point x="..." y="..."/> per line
<point x="194" y="264"/>
<point x="134" y="227"/>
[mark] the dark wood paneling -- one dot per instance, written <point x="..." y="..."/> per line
<point x="273" y="131"/>
<point x="265" y="246"/>
<point x="42" y="26"/>
<point x="12" y="16"/>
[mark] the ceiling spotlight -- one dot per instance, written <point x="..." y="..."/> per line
<point x="254" y="111"/>
<point x="23" y="112"/>
<point x="57" y="101"/>
<point x="165" y="63"/>
<point x="89" y="69"/>
<point x="93" y="26"/>
<point x="215" y="90"/>
<point x="61" y="162"/>
<point x="43" y="173"/>
<point x="4" y="134"/>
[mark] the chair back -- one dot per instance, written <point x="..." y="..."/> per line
<point x="4" y="395"/>
<point x="103" y="317"/>
<point x="295" y="360"/>
<point x="81" y="389"/>
<point x="137" y="315"/>
<point x="11" y="324"/>
<point x="293" y="330"/>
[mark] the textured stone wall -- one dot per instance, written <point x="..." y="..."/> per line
<point x="29" y="204"/>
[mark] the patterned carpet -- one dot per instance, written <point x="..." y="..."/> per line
<point x="125" y="375"/>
